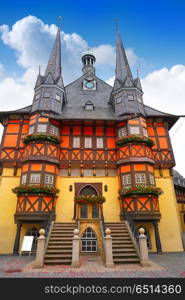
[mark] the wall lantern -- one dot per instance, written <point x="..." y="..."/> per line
<point x="70" y="187"/>
<point x="105" y="188"/>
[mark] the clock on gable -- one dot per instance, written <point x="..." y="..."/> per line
<point x="89" y="83"/>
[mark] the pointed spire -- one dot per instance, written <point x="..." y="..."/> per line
<point x="54" y="63"/>
<point x="122" y="66"/>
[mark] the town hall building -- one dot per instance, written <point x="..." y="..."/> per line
<point x="88" y="156"/>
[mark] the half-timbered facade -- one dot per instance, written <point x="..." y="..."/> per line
<point x="86" y="152"/>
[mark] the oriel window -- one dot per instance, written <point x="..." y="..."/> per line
<point x="140" y="178"/>
<point x="49" y="179"/>
<point x="42" y="128"/>
<point x="35" y="178"/>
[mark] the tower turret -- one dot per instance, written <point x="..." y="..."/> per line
<point x="88" y="60"/>
<point x="49" y="93"/>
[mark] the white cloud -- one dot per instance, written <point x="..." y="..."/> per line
<point x="32" y="40"/>
<point x="164" y="90"/>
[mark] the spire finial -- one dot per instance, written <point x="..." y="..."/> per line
<point x="116" y="24"/>
<point x="39" y="69"/>
<point x="137" y="73"/>
<point x="59" y="22"/>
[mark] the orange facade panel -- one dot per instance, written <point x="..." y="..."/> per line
<point x="36" y="167"/>
<point x="125" y="169"/>
<point x="99" y="130"/>
<point x="13" y="128"/>
<point x="50" y="168"/>
<point x="139" y="167"/>
<point x="25" y="129"/>
<point x="111" y="143"/>
<point x="150" y="131"/>
<point x="66" y="130"/>
<point x="163" y="142"/>
<point x="88" y="130"/>
<point x="25" y="168"/>
<point x="161" y="131"/>
<point x="76" y="130"/>
<point x="65" y="141"/>
<point x="10" y="140"/>
<point x="110" y="131"/>
<point x="43" y="120"/>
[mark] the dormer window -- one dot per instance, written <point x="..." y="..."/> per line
<point x="89" y="106"/>
<point x="118" y="100"/>
<point x="46" y="95"/>
<point x="57" y="97"/>
<point x="130" y="97"/>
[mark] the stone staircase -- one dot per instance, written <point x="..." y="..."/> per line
<point x="59" y="250"/>
<point x="124" y="250"/>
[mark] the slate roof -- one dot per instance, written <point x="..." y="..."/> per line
<point x="178" y="179"/>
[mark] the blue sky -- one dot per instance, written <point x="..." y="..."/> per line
<point x="155" y="29"/>
<point x="152" y="32"/>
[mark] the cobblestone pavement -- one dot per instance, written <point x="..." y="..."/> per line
<point x="165" y="265"/>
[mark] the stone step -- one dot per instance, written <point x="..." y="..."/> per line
<point x="57" y="262"/>
<point x="54" y="251"/>
<point x="124" y="254"/>
<point x="126" y="260"/>
<point x="63" y="243"/>
<point x="60" y="239"/>
<point x="119" y="234"/>
<point x="53" y="256"/>
<point x="124" y="250"/>
<point x="60" y="247"/>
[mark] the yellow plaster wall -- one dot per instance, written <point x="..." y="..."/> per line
<point x="8" y="202"/>
<point x="169" y="226"/>
<point x="181" y="209"/>
<point x="65" y="201"/>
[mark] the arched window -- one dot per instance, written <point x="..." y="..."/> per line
<point x="89" y="241"/>
<point x="35" y="233"/>
<point x="88" y="190"/>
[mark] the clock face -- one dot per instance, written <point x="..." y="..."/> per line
<point x="89" y="84"/>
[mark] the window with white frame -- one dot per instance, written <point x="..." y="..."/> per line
<point x="76" y="142"/>
<point x="130" y="97"/>
<point x="31" y="129"/>
<point x="134" y="130"/>
<point x="37" y="96"/>
<point x="23" y="180"/>
<point x="57" y="97"/>
<point x="54" y="130"/>
<point x="122" y="132"/>
<point x="99" y="142"/>
<point x="126" y="179"/>
<point x="49" y="179"/>
<point x="145" y="133"/>
<point x="42" y="128"/>
<point x="35" y="178"/>
<point x="140" y="178"/>
<point x="88" y="142"/>
<point x="152" y="180"/>
<point x="46" y="95"/>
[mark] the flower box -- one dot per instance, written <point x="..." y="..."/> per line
<point x="140" y="190"/>
<point x="35" y="189"/>
<point x="135" y="139"/>
<point x="37" y="137"/>
<point x="90" y="199"/>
